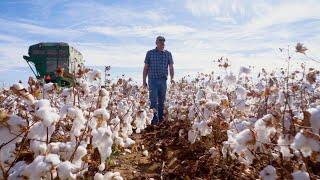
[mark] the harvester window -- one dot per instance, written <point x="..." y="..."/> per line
<point x="38" y="52"/>
<point x="52" y="52"/>
<point x="63" y="63"/>
<point x="51" y="66"/>
<point x="63" y="52"/>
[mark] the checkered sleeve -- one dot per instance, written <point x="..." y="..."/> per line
<point x="147" y="59"/>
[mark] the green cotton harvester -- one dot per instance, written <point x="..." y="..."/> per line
<point x="55" y="62"/>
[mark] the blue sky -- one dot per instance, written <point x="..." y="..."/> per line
<point x="119" y="33"/>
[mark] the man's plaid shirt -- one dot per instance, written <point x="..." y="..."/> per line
<point x="158" y="62"/>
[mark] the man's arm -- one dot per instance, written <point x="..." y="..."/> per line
<point x="145" y="74"/>
<point x="171" y="69"/>
<point x="146" y="68"/>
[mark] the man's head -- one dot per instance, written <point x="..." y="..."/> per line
<point x="160" y="43"/>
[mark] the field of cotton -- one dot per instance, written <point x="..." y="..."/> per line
<point x="237" y="125"/>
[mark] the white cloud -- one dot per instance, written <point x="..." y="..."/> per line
<point x="9" y="38"/>
<point x="14" y="26"/>
<point x="285" y="12"/>
<point x="142" y="31"/>
<point x="221" y="10"/>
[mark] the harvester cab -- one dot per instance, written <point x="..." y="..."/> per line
<point x="55" y="62"/>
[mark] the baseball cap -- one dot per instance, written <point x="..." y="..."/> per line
<point x="161" y="38"/>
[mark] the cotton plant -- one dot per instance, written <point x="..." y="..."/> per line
<point x="268" y="173"/>
<point x="108" y="175"/>
<point x="300" y="175"/>
<point x="306" y="142"/>
<point x="42" y="166"/>
<point x="102" y="139"/>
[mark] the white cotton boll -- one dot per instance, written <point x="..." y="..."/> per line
<point x="145" y="153"/>
<point x="149" y="116"/>
<point x="315" y="119"/>
<point x="103" y="112"/>
<point x="229" y="79"/>
<point x="102" y="139"/>
<point x="94" y="75"/>
<point x="78" y="121"/>
<point x="244" y="70"/>
<point x="212" y="104"/>
<point x="18" y="86"/>
<point x="140" y="121"/>
<point x="85" y="87"/>
<point x="16" y="123"/>
<point x="213" y="151"/>
<point x="192" y="136"/>
<point x="239" y="125"/>
<point x="268" y="173"/>
<point x="264" y="129"/>
<point x="66" y="93"/>
<point x="225" y="149"/>
<point x="29" y="99"/>
<point x="226" y="113"/>
<point x="45" y="112"/>
<point x="99" y="115"/>
<point x="102" y="166"/>
<point x="64" y="110"/>
<point x="128" y="142"/>
<point x="52" y="159"/>
<point x="241" y="92"/>
<point x="246" y="156"/>
<point x="300" y="175"/>
<point x="41" y="165"/>
<point x="126" y="129"/>
<point x="108" y="176"/>
<point x="98" y="176"/>
<point x="127" y="150"/>
<point x="42" y="103"/>
<point x="39" y="132"/>
<point x="213" y="97"/>
<point x="284" y="145"/>
<point x="7" y="152"/>
<point x="119" y="141"/>
<point x="104" y="92"/>
<point x="48" y="116"/>
<point x="48" y="86"/>
<point x="202" y="127"/>
<point x="66" y="149"/>
<point x="245" y="137"/>
<point x="54" y="147"/>
<point x="38" y="147"/>
<point x="65" y="170"/>
<point x="80" y="153"/>
<point x="105" y="101"/>
<point x="115" y="121"/>
<point x="16" y="171"/>
<point x="305" y="144"/>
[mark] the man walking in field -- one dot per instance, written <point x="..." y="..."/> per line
<point x="156" y="66"/>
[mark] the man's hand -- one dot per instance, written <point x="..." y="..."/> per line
<point x="145" y="85"/>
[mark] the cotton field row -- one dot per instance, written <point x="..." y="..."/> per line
<point x="49" y="132"/>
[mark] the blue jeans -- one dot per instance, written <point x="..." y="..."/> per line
<point x="157" y="95"/>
